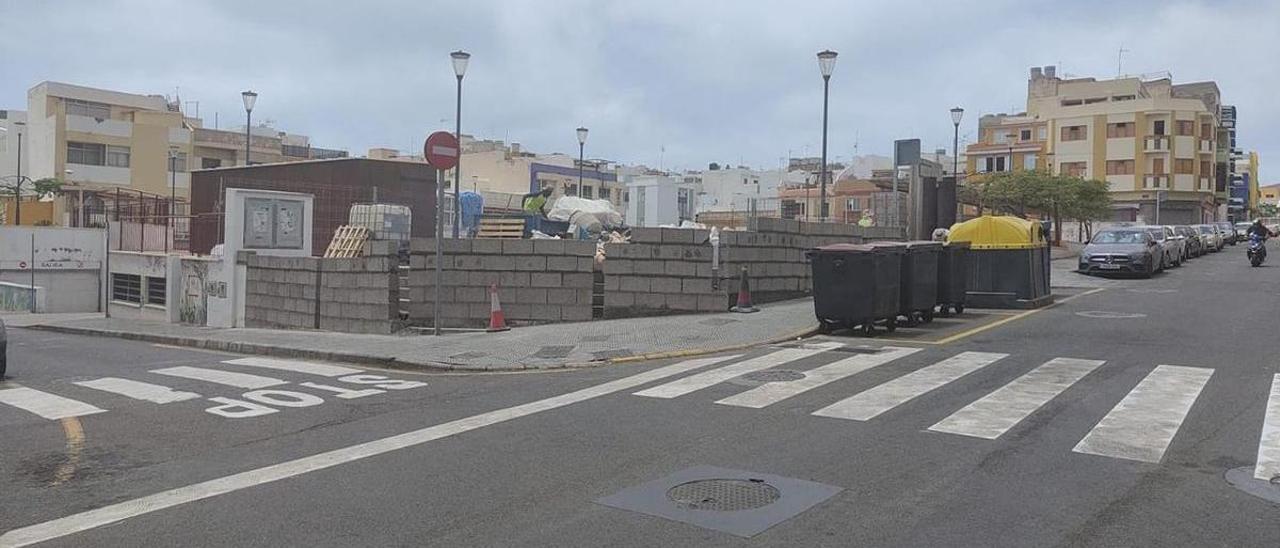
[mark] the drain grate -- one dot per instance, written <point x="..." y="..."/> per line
<point x="774" y="375"/>
<point x="551" y="352"/>
<point x="724" y="495"/>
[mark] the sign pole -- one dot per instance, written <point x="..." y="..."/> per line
<point x="442" y="152"/>
<point x="435" y="301"/>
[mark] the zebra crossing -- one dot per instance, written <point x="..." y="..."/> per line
<point x="224" y="383"/>
<point x="1139" y="427"/>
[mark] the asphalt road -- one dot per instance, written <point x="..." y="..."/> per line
<point x="1108" y="420"/>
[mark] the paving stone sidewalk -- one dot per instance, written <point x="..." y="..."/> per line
<point x="537" y="347"/>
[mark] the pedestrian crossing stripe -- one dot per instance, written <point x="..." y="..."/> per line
<point x="137" y="390"/>
<point x="1143" y="424"/>
<point x="46" y="405"/>
<point x="321" y="369"/>
<point x="871" y="403"/>
<point x="770" y="393"/>
<point x="1268" y="464"/>
<point x="997" y="412"/>
<point x="229" y="378"/>
<point x="705" y="379"/>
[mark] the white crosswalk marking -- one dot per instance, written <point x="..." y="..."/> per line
<point x="774" y="392"/>
<point x="46" y="405"/>
<point x="240" y="380"/>
<point x="1268" y="465"/>
<point x="322" y="369"/>
<point x="869" y="404"/>
<point x="993" y="415"/>
<point x="138" y="390"/>
<point x="1143" y="424"/>
<point x="697" y="382"/>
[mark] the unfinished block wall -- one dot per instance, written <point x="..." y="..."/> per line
<point x="358" y="295"/>
<point x="539" y="281"/>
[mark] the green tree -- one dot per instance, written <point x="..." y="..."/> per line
<point x="1059" y="196"/>
<point x="1268" y="210"/>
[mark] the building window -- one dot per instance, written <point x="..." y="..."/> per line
<point x="604" y="193"/>
<point x="1184" y="166"/>
<point x="180" y="162"/>
<point x="1120" y="130"/>
<point x="993" y="163"/>
<point x="1123" y="98"/>
<point x="117" y="156"/>
<point x="155" y="291"/>
<point x="587" y="192"/>
<point x="571" y="190"/>
<point x="1042" y="133"/>
<point x="1119" y="167"/>
<point x="126" y="288"/>
<point x="89" y="154"/>
<point x="1094" y="100"/>
<point x="1074" y="133"/>
<point x="855" y="204"/>
<point x="88" y="108"/>
<point x="1157" y="127"/>
<point x="1072" y="102"/>
<point x="1074" y="169"/>
<point x="1024" y="135"/>
<point x="1029" y="162"/>
<point x="210" y="163"/>
<point x="1206" y="131"/>
<point x="1206" y="169"/>
<point x="1184" y="127"/>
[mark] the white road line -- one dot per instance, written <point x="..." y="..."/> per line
<point x="91" y="519"/>
<point x="697" y="382"/>
<point x="45" y="404"/>
<point x="997" y="412"/>
<point x="322" y="369"/>
<point x="229" y="378"/>
<point x="1143" y="424"/>
<point x="774" y="392"/>
<point x="1268" y="465"/>
<point x="138" y="390"/>
<point x="875" y="401"/>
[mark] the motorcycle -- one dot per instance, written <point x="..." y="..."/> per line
<point x="1257" y="250"/>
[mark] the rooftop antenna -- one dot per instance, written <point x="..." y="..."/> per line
<point x="1119" y="60"/>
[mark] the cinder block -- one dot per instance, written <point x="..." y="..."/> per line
<point x="498" y="262"/>
<point x="701" y="236"/>
<point x="680" y="268"/>
<point x="532" y="264"/>
<point x="618" y="266"/>
<point x="587" y="264"/>
<point x="545" y="313"/>
<point x="530" y="295"/>
<point x="481" y="278"/>
<point x="546" y="279"/>
<point x="713" y="302"/>
<point x="612" y="283"/>
<point x="677" y="236"/>
<point x="695" y="285"/>
<point x="578" y="279"/>
<point x="579" y="248"/>
<point x="478" y="310"/>
<point x="380" y="247"/>
<point x="665" y="285"/>
<point x="472" y="295"/>
<point x="517" y="311"/>
<point x="548" y="247"/>
<point x="652" y="267"/>
<point x="562" y="296"/>
<point x="517" y="247"/>
<point x="618" y="299"/>
<point x="636" y="284"/>
<point x="642" y="235"/>
<point x="577" y="313"/>
<point x="651" y="300"/>
<point x="681" y="302"/>
<point x="513" y="279"/>
<point x="562" y="263"/>
<point x="488" y="246"/>
<point x="463" y="262"/>
<point x="586" y="296"/>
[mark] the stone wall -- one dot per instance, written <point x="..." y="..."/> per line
<point x="359" y="295"/>
<point x="667" y="270"/>
<point x="539" y="281"/>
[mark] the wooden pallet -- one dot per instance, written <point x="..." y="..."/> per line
<point x="348" y="241"/>
<point x="501" y="227"/>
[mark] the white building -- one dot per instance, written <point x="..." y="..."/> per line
<point x="658" y="200"/>
<point x="13" y="122"/>
<point x="739" y="189"/>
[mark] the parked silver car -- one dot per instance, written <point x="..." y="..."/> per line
<point x="1171" y="247"/>
<point x="1123" y="251"/>
<point x="1229" y="232"/>
<point x="1212" y="238"/>
<point x="1195" y="245"/>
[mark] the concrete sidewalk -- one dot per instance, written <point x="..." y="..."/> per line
<point x="537" y="347"/>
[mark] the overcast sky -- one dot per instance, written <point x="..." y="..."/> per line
<point x="732" y="81"/>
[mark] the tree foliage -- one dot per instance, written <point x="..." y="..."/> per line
<point x="1058" y="196"/>
<point x="39" y="187"/>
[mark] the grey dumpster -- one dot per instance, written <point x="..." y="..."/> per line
<point x="856" y="286"/>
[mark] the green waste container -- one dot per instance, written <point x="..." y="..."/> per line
<point x="953" y="277"/>
<point x="856" y="286"/>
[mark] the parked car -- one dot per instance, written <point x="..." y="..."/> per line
<point x="1211" y="237"/>
<point x="1231" y="235"/>
<point x="1242" y="228"/>
<point x="4" y="351"/>
<point x="1123" y="250"/>
<point x="1170" y="246"/>
<point x="1182" y="253"/>
<point x="1195" y="245"/>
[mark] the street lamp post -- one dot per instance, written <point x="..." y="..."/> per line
<point x="17" y="183"/>
<point x="956" y="114"/>
<point x="460" y="60"/>
<point x="249" y="98"/>
<point x="826" y="63"/>
<point x="582" y="144"/>
<point x="173" y="194"/>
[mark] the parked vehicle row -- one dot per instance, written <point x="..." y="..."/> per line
<point x="1145" y="250"/>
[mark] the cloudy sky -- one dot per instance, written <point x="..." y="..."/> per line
<point x="724" y="81"/>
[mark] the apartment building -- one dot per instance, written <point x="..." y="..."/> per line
<point x="1147" y="137"/>
<point x="103" y="142"/>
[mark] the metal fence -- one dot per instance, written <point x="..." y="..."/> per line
<point x="138" y="221"/>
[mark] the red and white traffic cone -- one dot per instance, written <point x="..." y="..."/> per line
<point x="744" y="295"/>
<point x="497" y="322"/>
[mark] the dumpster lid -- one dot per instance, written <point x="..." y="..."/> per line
<point x="998" y="232"/>
<point x="923" y="244"/>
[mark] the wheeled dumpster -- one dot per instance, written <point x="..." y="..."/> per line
<point x="953" y="277"/>
<point x="1008" y="262"/>
<point x="856" y="286"/>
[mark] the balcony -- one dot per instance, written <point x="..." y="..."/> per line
<point x="1156" y="181"/>
<point x="1205" y="184"/>
<point x="1159" y="143"/>
<point x="1206" y="146"/>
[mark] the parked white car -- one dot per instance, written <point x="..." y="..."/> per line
<point x="1212" y="238"/>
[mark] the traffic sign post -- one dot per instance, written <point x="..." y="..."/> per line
<point x="442" y="152"/>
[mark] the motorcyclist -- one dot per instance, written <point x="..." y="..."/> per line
<point x="1260" y="230"/>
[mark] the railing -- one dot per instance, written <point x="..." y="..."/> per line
<point x="1206" y="146"/>
<point x="1157" y="144"/>
<point x="1156" y="181"/>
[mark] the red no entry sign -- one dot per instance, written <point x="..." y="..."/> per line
<point x="441" y="150"/>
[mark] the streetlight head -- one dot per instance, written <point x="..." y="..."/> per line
<point x="249" y="98"/>
<point x="582" y="135"/>
<point x="956" y="114"/>
<point x="826" y="62"/>
<point x="460" y="60"/>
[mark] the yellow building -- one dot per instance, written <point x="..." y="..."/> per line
<point x="1140" y="135"/>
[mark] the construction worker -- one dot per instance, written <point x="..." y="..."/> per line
<point x="534" y="202"/>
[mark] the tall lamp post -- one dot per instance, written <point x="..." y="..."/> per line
<point x="826" y="63"/>
<point x="460" y="60"/>
<point x="956" y="114"/>
<point x="582" y="145"/>
<point x="249" y="98"/>
<point x="173" y="193"/>
<point x="17" y="183"/>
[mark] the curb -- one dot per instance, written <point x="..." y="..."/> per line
<point x="393" y="363"/>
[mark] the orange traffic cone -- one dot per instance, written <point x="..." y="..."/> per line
<point x="744" y="295"/>
<point x="497" y="322"/>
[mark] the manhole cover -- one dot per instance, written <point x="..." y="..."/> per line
<point x="1109" y="315"/>
<point x="774" y="375"/>
<point x="724" y="495"/>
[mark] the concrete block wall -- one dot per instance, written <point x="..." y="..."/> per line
<point x="539" y="281"/>
<point x="667" y="270"/>
<point x="358" y="295"/>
